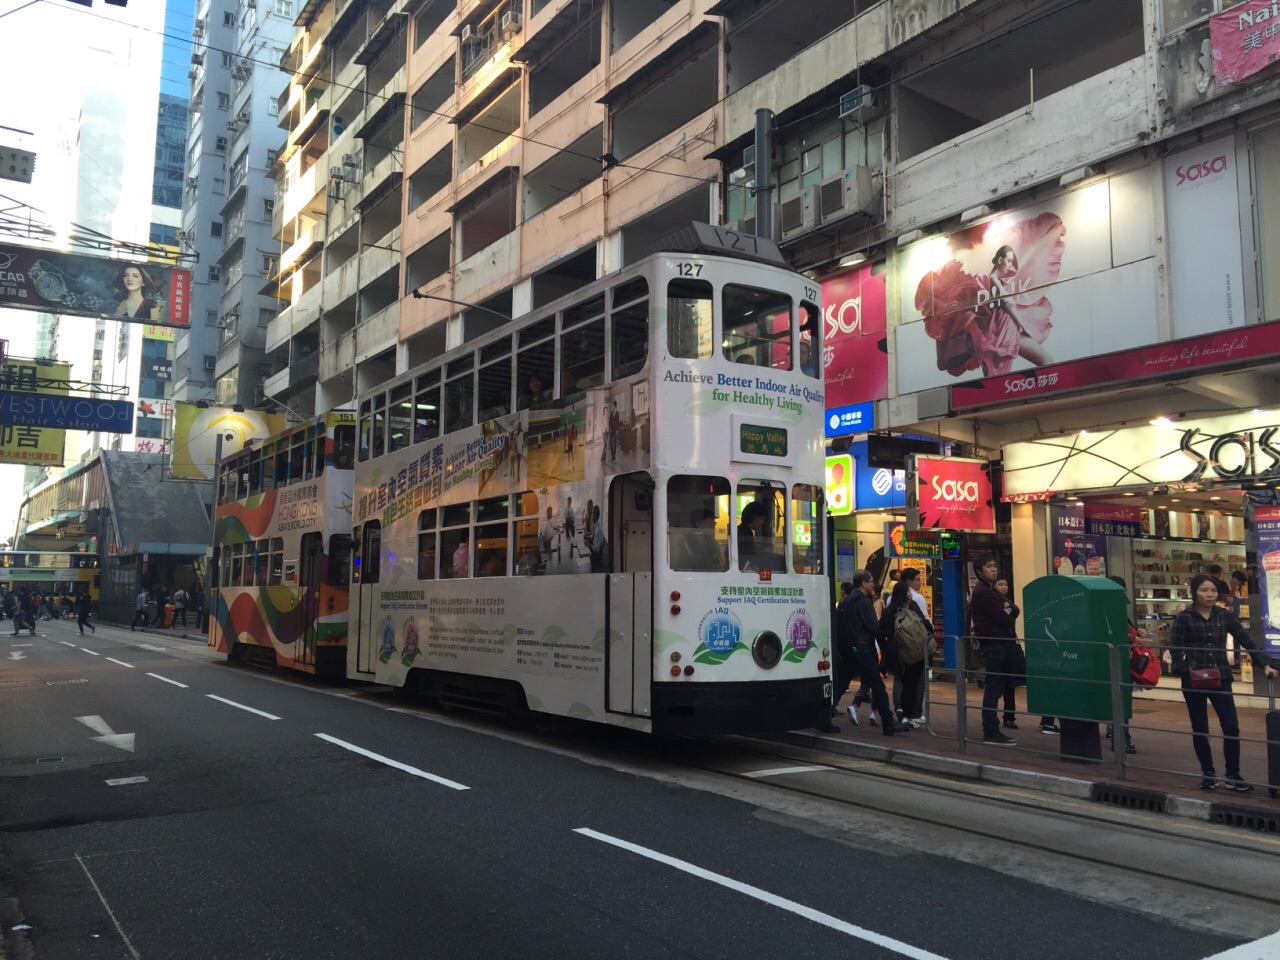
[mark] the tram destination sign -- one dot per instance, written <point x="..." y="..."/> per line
<point x="19" y="408"/>
<point x="762" y="441"/>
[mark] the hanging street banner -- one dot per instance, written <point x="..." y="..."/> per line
<point x="24" y="443"/>
<point x="18" y="408"/>
<point x="1244" y="40"/>
<point x="89" y="286"/>
<point x="196" y="431"/>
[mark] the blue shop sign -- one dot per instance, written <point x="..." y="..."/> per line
<point x="855" y="418"/>
<point x="876" y="488"/>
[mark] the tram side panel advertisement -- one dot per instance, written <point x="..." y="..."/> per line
<point x="87" y="286"/>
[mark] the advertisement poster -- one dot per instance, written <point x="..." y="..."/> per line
<point x="1207" y="279"/>
<point x="901" y="542"/>
<point x="86" y="286"/>
<point x="1068" y="279"/>
<point x="955" y="494"/>
<point x="196" y="431"/>
<point x="23" y="443"/>
<point x="1244" y="40"/>
<point x="854" y="361"/>
<point x="1076" y="552"/>
<point x="1145" y="363"/>
<point x="1267" y="527"/>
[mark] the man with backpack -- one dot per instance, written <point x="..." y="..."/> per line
<point x="913" y="642"/>
<point x="179" y="607"/>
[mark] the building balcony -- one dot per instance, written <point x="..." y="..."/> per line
<point x="378" y="333"/>
<point x="377" y="260"/>
<point x="342" y="282"/>
<point x="338" y="356"/>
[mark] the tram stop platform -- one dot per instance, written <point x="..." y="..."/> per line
<point x="1163" y="774"/>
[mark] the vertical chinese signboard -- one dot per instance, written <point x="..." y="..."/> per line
<point x="27" y="445"/>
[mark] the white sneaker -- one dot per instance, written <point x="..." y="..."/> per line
<point x="917" y="722"/>
<point x="853" y="715"/>
<point x="874" y="718"/>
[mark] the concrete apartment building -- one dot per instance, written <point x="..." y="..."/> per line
<point x="502" y="153"/>
<point x="229" y="198"/>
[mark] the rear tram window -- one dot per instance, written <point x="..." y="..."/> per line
<point x="698" y="523"/>
<point x="806" y="528"/>
<point x="811" y="358"/>
<point x="629" y="327"/>
<point x="495" y="389"/>
<point x="455" y="541"/>
<point x="427" y="545"/>
<point x="340" y="560"/>
<point x="366" y="430"/>
<point x="459" y="394"/>
<point x="535" y="374"/>
<point x="757" y="326"/>
<point x="761" y="512"/>
<point x="690" y="333"/>
<point x="527" y="552"/>
<point x="379" y="425"/>
<point x="582" y="347"/>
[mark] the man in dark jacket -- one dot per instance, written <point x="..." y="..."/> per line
<point x="864" y="628"/>
<point x="992" y="617"/>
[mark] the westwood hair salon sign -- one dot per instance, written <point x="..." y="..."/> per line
<point x="1231" y="449"/>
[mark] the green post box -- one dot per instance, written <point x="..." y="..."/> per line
<point x="1071" y="624"/>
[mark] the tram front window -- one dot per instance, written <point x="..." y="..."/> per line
<point x="757" y="326"/>
<point x="697" y="523"/>
<point x="761" y="511"/>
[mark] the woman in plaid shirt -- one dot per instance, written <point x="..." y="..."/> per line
<point x="1199" y="640"/>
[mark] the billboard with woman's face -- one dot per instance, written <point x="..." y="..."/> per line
<point x="87" y="286"/>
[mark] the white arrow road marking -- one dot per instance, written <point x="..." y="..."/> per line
<point x="404" y="767"/>
<point x="121" y="662"/>
<point x="167" y="680"/>
<point x="17" y="655"/>
<point x="110" y="738"/>
<point x="773" y="900"/>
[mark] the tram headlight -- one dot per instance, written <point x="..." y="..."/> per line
<point x="766" y="650"/>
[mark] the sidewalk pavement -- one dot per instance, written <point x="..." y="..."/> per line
<point x="1162" y="775"/>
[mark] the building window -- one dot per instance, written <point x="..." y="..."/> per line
<point x="215" y="228"/>
<point x="272" y="157"/>
<point x="268" y="208"/>
<point x="284" y="8"/>
<point x="151" y="427"/>
<point x="273" y="106"/>
<point x="1179" y="14"/>
<point x="229" y="19"/>
<point x="269" y="265"/>
<point x="215" y="274"/>
<point x="265" y="316"/>
<point x="219" y="186"/>
<point x="164" y="234"/>
<point x="224" y="101"/>
<point x="220" y="144"/>
<point x="226" y="60"/>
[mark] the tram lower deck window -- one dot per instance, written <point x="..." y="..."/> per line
<point x="698" y="523"/>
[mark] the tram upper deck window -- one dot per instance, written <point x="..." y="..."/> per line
<point x="536" y="364"/>
<point x="757" y="326"/>
<point x="379" y="426"/>
<point x="459" y="394"/>
<point x="366" y="429"/>
<point x="582" y="347"/>
<point x="761" y="511"/>
<point x="698" y="523"/>
<point x="426" y="407"/>
<point x="690" y="331"/>
<point x="812" y="360"/>
<point x="495" y="386"/>
<point x="400" y="418"/>
<point x="629" y="328"/>
<point x="427" y="545"/>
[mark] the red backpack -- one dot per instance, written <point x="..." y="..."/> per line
<point x="1144" y="665"/>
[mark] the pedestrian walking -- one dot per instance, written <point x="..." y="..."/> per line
<point x="180" y="607"/>
<point x="866" y="630"/>
<point x="84" y="607"/>
<point x="1198" y="644"/>
<point x="140" y="610"/>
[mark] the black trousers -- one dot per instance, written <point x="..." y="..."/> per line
<point x="82" y="621"/>
<point x="869" y="673"/>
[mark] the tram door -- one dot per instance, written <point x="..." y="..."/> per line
<point x="311" y="564"/>
<point x="629" y="654"/>
<point x="364" y="578"/>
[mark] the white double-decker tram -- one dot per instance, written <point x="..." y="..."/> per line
<point x="611" y="508"/>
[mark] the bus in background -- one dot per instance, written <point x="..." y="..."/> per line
<point x="50" y="573"/>
<point x="282" y="548"/>
<point x="610" y="508"/>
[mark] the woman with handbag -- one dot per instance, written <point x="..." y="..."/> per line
<point x="1198" y="644"/>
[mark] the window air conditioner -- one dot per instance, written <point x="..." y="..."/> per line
<point x="252" y="4"/>
<point x="510" y="24"/>
<point x="799" y="214"/>
<point x="197" y="59"/>
<point x="210" y="364"/>
<point x="859" y="104"/>
<point x="749" y="156"/>
<point x="467" y="33"/>
<point x="846" y="193"/>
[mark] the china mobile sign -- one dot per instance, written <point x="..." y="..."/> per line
<point x="1231" y="449"/>
<point x="955" y="494"/>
